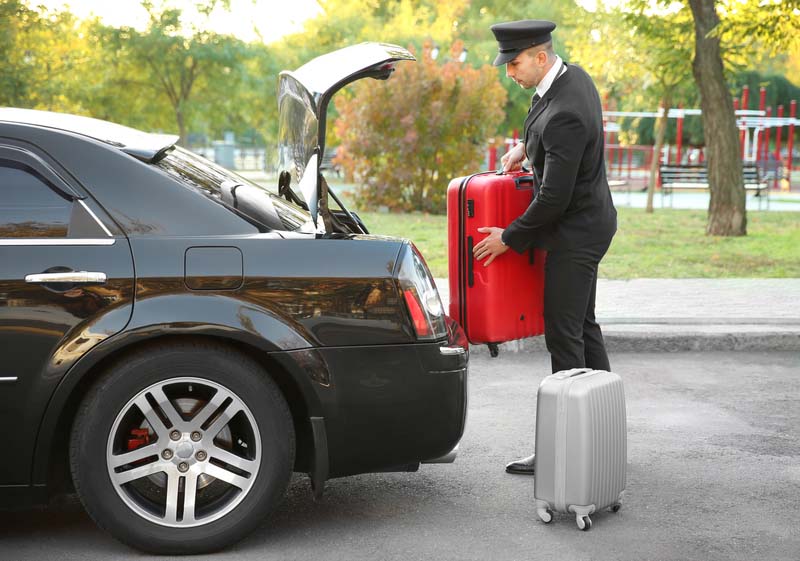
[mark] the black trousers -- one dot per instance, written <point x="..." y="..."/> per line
<point x="571" y="332"/>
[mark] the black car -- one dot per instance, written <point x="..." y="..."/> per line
<point x="176" y="340"/>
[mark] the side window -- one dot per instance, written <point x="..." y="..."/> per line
<point x="29" y="207"/>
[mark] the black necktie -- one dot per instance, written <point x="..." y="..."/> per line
<point x="535" y="99"/>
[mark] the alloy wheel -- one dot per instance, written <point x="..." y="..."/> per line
<point x="183" y="452"/>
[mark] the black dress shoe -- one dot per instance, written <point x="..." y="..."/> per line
<point x="525" y="466"/>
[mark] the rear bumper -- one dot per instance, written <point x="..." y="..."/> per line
<point x="395" y="404"/>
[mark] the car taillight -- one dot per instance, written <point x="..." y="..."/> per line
<point x="420" y="294"/>
<point x="421" y="325"/>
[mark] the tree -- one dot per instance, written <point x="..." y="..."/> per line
<point x="14" y="72"/>
<point x="403" y="142"/>
<point x="727" y="215"/>
<point x="44" y="58"/>
<point x="773" y="24"/>
<point x="171" y="63"/>
<point x="638" y="58"/>
<point x="667" y="48"/>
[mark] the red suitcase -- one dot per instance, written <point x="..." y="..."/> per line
<point x="504" y="301"/>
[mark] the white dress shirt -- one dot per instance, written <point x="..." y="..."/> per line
<point x="555" y="71"/>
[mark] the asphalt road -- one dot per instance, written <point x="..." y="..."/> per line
<point x="713" y="474"/>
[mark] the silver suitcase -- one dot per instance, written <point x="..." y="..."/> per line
<point x="581" y="444"/>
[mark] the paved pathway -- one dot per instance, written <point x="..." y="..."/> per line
<point x="713" y="475"/>
<point x="693" y="314"/>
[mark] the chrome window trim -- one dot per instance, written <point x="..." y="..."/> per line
<point x="8" y="379"/>
<point x="56" y="241"/>
<point x="93" y="215"/>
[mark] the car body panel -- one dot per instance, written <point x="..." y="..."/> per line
<point x="386" y="400"/>
<point x="46" y="326"/>
<point x="45" y="329"/>
<point x="319" y="300"/>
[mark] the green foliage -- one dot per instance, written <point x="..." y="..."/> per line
<point x="403" y="141"/>
<point x="15" y="70"/>
<point x="45" y="56"/>
<point x="780" y="91"/>
<point x="346" y="22"/>
<point x="172" y="65"/>
<point x="775" y="24"/>
<point x="639" y="59"/>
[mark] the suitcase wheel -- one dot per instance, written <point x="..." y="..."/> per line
<point x="545" y="514"/>
<point x="584" y="523"/>
<point x="615" y="507"/>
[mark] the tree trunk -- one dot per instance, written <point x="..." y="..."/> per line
<point x="661" y="132"/>
<point x="726" y="211"/>
<point x="181" y="126"/>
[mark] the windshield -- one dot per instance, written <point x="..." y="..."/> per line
<point x="257" y="204"/>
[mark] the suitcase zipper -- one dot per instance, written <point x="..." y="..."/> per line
<point x="462" y="230"/>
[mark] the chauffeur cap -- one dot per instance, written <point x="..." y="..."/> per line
<point x="513" y="37"/>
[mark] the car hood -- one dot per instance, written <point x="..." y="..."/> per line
<point x="303" y="97"/>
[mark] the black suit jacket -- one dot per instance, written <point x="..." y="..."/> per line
<point x="565" y="146"/>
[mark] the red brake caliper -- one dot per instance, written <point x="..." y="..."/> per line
<point x="139" y="437"/>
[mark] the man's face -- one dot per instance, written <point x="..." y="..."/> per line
<point x="528" y="68"/>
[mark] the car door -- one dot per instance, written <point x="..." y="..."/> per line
<point x="66" y="284"/>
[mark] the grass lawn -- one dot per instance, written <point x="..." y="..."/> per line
<point x="667" y="244"/>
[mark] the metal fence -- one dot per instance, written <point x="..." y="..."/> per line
<point x="239" y="158"/>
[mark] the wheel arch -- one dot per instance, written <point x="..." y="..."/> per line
<point x="51" y="463"/>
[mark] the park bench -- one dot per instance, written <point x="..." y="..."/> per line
<point x="681" y="176"/>
<point x="327" y="162"/>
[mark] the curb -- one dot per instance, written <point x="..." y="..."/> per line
<point x="690" y="338"/>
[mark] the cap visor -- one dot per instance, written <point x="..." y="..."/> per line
<point x="504" y="58"/>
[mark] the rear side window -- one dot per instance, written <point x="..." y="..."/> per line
<point x="29" y="206"/>
<point x="236" y="193"/>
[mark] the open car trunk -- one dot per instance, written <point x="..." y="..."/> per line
<point x="303" y="97"/>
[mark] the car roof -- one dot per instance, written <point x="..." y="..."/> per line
<point x="149" y="147"/>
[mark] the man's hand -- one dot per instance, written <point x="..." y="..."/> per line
<point x="490" y="246"/>
<point x="512" y="160"/>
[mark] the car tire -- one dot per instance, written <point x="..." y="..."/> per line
<point x="201" y="484"/>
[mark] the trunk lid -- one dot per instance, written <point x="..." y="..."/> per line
<point x="303" y="97"/>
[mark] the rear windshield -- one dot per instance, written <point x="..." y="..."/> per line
<point x="256" y="203"/>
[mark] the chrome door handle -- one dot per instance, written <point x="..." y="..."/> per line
<point x="75" y="277"/>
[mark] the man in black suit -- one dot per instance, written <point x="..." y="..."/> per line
<point x="572" y="215"/>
